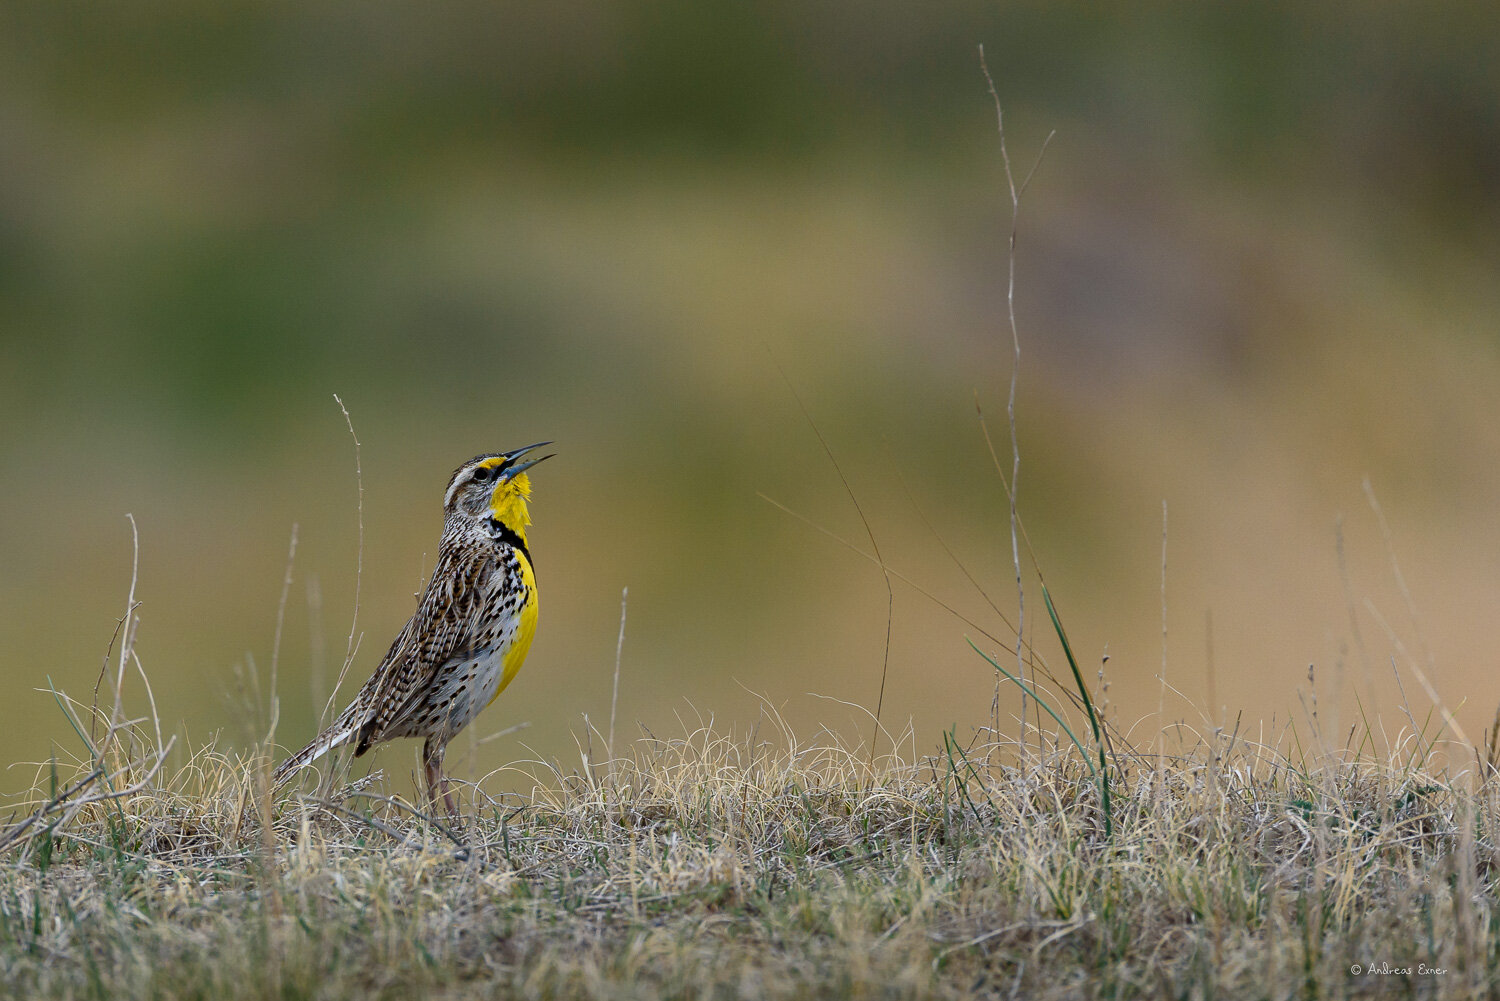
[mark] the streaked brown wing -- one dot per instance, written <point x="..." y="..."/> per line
<point x="443" y="626"/>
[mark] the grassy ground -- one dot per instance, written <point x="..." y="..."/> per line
<point x="715" y="865"/>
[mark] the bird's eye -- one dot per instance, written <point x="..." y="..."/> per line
<point x="483" y="474"/>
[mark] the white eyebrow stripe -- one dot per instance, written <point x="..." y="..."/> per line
<point x="458" y="480"/>
<point x="467" y="473"/>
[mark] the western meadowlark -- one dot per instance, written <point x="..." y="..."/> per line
<point x="470" y="633"/>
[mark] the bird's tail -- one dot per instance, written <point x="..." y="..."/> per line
<point x="339" y="733"/>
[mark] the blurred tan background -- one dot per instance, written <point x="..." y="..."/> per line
<point x="1257" y="265"/>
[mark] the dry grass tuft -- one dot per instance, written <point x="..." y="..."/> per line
<point x="716" y="865"/>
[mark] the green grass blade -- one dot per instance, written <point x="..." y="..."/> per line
<point x="1088" y="705"/>
<point x="73" y="720"/>
<point x="1031" y="690"/>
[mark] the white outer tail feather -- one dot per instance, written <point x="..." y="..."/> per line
<point x="335" y="736"/>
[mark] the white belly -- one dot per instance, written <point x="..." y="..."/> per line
<point x="460" y="689"/>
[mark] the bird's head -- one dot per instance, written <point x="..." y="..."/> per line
<point x="493" y="486"/>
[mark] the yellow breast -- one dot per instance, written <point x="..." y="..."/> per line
<point x="515" y="656"/>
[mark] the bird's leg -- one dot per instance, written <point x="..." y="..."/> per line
<point x="432" y="761"/>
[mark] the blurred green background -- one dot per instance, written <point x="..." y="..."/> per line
<point x="1257" y="264"/>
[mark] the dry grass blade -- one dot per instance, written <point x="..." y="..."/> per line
<point x="1013" y="485"/>
<point x="405" y="838"/>
<point x="614" y="696"/>
<point x="352" y="647"/>
<point x="890" y="612"/>
<point x="273" y="710"/>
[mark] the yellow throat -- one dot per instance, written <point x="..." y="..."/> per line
<point x="508" y="504"/>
